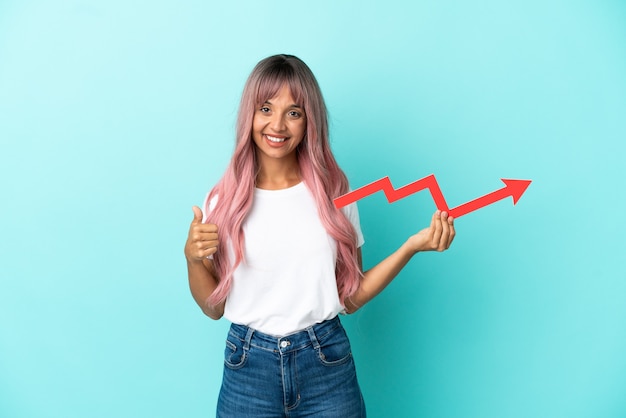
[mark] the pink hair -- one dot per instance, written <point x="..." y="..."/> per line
<point x="318" y="168"/>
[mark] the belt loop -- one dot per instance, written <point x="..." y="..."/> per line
<point x="246" y="344"/>
<point x="316" y="344"/>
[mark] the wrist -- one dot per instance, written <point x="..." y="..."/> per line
<point x="194" y="262"/>
<point x="409" y="248"/>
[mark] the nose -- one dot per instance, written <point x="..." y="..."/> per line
<point x="277" y="122"/>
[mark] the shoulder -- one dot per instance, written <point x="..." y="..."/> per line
<point x="351" y="212"/>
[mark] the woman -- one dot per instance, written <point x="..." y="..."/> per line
<point x="274" y="256"/>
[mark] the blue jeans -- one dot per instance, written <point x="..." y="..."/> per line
<point x="309" y="373"/>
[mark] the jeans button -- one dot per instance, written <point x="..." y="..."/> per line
<point x="284" y="343"/>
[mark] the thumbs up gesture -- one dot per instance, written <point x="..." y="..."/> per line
<point x="202" y="240"/>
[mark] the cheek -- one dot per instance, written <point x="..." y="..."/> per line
<point x="300" y="129"/>
<point x="256" y="125"/>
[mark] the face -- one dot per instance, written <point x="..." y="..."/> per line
<point x="278" y="127"/>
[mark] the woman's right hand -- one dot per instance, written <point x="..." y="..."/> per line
<point x="202" y="240"/>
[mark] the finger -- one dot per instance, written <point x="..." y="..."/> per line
<point x="203" y="249"/>
<point x="200" y="255"/>
<point x="199" y="236"/>
<point x="211" y="248"/>
<point x="434" y="219"/>
<point x="202" y="238"/>
<point x="445" y="232"/>
<point x="452" y="231"/>
<point x="200" y="232"/>
<point x="197" y="215"/>
<point x="436" y="230"/>
<point x="203" y="228"/>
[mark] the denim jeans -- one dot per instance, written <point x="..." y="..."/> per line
<point x="309" y="373"/>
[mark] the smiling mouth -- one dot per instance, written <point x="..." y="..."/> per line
<point x="274" y="139"/>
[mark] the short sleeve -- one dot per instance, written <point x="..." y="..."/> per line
<point x="208" y="206"/>
<point x="352" y="213"/>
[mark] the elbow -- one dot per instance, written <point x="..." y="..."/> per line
<point x="350" y="307"/>
<point x="351" y="310"/>
<point x="214" y="312"/>
<point x="215" y="317"/>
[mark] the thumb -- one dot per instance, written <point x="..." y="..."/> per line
<point x="197" y="215"/>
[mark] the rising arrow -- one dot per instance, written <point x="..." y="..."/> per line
<point x="512" y="187"/>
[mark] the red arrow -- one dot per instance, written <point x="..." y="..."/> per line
<point x="513" y="188"/>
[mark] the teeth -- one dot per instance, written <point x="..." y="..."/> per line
<point x="274" y="139"/>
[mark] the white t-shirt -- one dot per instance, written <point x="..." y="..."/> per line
<point x="287" y="281"/>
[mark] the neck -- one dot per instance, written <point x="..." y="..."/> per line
<point x="276" y="175"/>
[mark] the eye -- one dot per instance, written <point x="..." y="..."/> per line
<point x="264" y="109"/>
<point x="295" y="114"/>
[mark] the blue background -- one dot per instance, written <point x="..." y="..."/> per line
<point x="116" y="117"/>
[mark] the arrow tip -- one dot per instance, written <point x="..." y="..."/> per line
<point x="516" y="187"/>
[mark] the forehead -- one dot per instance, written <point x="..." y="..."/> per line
<point x="272" y="89"/>
<point x="284" y="96"/>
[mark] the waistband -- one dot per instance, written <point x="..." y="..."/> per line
<point x="296" y="341"/>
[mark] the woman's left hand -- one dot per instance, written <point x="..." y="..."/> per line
<point x="437" y="237"/>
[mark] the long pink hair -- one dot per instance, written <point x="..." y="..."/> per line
<point x="318" y="168"/>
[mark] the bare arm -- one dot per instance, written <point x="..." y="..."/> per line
<point x="201" y="243"/>
<point x="437" y="237"/>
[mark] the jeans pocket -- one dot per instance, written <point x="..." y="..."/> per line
<point x="334" y="348"/>
<point x="234" y="355"/>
